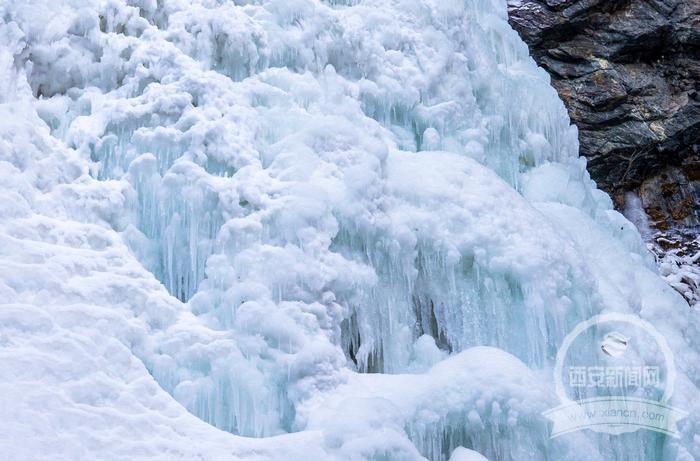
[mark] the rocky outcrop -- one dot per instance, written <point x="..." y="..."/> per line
<point x="629" y="74"/>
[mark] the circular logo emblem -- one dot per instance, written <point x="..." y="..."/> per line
<point x="614" y="373"/>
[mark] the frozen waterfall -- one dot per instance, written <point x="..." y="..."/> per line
<point x="330" y="229"/>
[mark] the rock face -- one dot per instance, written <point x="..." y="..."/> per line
<point x="629" y="74"/>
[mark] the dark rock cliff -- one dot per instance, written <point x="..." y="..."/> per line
<point x="629" y="74"/>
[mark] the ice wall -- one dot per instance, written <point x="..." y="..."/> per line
<point x="346" y="203"/>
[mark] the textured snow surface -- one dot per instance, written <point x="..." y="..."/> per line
<point x="300" y="230"/>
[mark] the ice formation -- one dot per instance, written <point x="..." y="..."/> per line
<point x="340" y="229"/>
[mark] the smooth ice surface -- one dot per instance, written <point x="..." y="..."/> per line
<point x="329" y="229"/>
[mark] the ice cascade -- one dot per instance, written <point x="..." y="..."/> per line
<point x="339" y="229"/>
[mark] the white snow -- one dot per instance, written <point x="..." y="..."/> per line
<point x="680" y="268"/>
<point x="463" y="454"/>
<point x="676" y="250"/>
<point x="229" y="212"/>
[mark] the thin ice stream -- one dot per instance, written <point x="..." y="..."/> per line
<point x="300" y="230"/>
